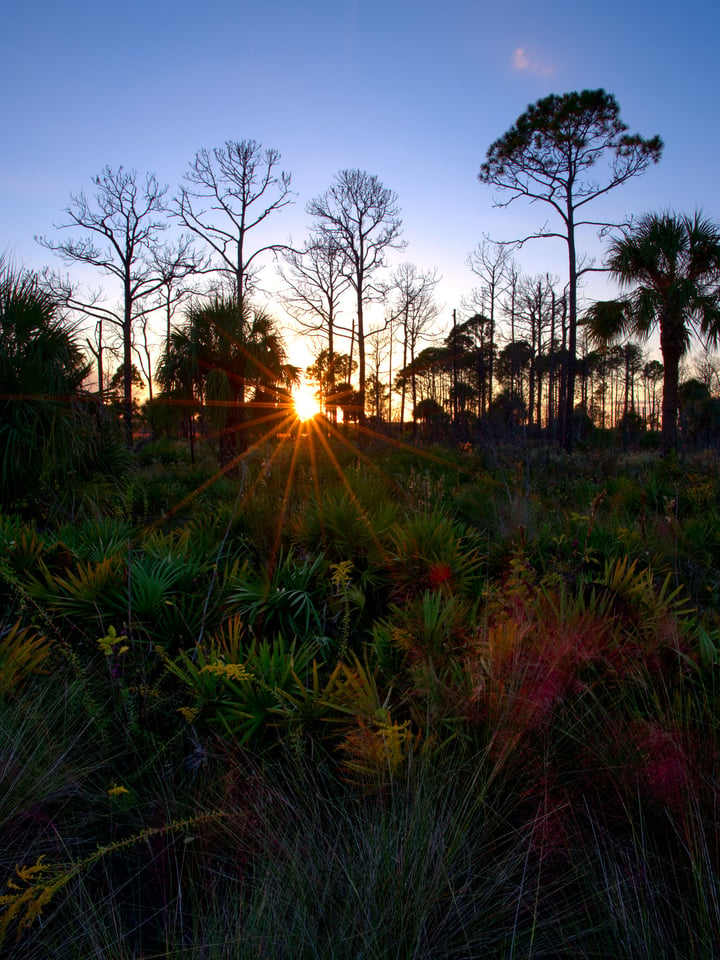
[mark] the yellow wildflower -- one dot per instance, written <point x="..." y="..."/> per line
<point x="235" y="671"/>
<point x="116" y="791"/>
<point x="340" y="576"/>
<point x="27" y="874"/>
<point x="189" y="713"/>
<point x="107" y="643"/>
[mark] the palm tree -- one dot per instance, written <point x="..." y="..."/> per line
<point x="52" y="433"/>
<point x="180" y="375"/>
<point x="221" y="353"/>
<point x="671" y="263"/>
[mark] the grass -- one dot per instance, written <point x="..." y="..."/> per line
<point x="473" y="713"/>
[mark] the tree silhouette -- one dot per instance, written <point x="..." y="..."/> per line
<point x="360" y="216"/>
<point x="49" y="432"/>
<point x="550" y="154"/>
<point x="222" y="352"/>
<point x="124" y="222"/>
<point x="671" y="264"/>
<point x="228" y="192"/>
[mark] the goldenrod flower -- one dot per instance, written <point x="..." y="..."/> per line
<point x="116" y="791"/>
<point x="28" y="873"/>
<point x="234" y="671"/>
<point x="189" y="713"/>
<point x="107" y="643"/>
<point x="340" y="576"/>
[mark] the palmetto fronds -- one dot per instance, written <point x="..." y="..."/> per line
<point x="670" y="264"/>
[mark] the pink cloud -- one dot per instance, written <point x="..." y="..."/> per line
<point x="522" y="61"/>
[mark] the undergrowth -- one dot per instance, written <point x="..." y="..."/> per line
<point x="451" y="708"/>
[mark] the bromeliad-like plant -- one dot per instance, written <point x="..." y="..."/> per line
<point x="286" y="600"/>
<point x="97" y="539"/>
<point x="374" y="742"/>
<point x="23" y="652"/>
<point x="87" y="595"/>
<point x="238" y="684"/>
<point x="339" y="525"/>
<point x="431" y="551"/>
<point x="431" y="627"/>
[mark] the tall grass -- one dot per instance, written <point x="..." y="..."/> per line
<point x="482" y="713"/>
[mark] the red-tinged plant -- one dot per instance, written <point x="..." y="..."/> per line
<point x="23" y="652"/>
<point x="663" y="767"/>
<point x="375" y="750"/>
<point x="439" y="573"/>
<point x="432" y="551"/>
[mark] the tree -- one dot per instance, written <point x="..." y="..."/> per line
<point x="316" y="282"/>
<point x="549" y="154"/>
<point x="412" y="306"/>
<point x="652" y="375"/>
<point x="514" y="363"/>
<point x="537" y="313"/>
<point x="124" y="224"/>
<point x="174" y="262"/>
<point x="490" y="262"/>
<point x="329" y="370"/>
<point x="228" y="192"/>
<point x="431" y="415"/>
<point x="51" y="433"/>
<point x="181" y="377"/>
<point x="115" y="389"/>
<point x="223" y="351"/>
<point x="476" y="361"/>
<point x="377" y="390"/>
<point x="699" y="413"/>
<point x="360" y="216"/>
<point x="671" y="264"/>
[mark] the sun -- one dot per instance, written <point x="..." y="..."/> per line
<point x="305" y="402"/>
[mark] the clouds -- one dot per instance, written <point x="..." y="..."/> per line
<point x="522" y="60"/>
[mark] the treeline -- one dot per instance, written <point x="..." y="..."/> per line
<point x="520" y="352"/>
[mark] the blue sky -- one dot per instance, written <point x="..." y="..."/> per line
<point x="414" y="92"/>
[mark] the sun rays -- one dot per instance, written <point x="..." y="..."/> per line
<point x="305" y="402"/>
<point x="284" y="440"/>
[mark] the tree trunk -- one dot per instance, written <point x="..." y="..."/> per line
<point x="567" y="425"/>
<point x="671" y="353"/>
<point x="127" y="360"/>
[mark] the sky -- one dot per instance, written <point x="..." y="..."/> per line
<point x="412" y="91"/>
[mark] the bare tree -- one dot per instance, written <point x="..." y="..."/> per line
<point x="489" y="261"/>
<point x="706" y="368"/>
<point x="228" y="192"/>
<point x="316" y="280"/>
<point x="412" y="307"/>
<point x="550" y="154"/>
<point x="175" y="262"/>
<point x="510" y="301"/>
<point x="360" y="216"/>
<point x="537" y="305"/>
<point x="96" y="346"/>
<point x="125" y="221"/>
<point x="376" y="389"/>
